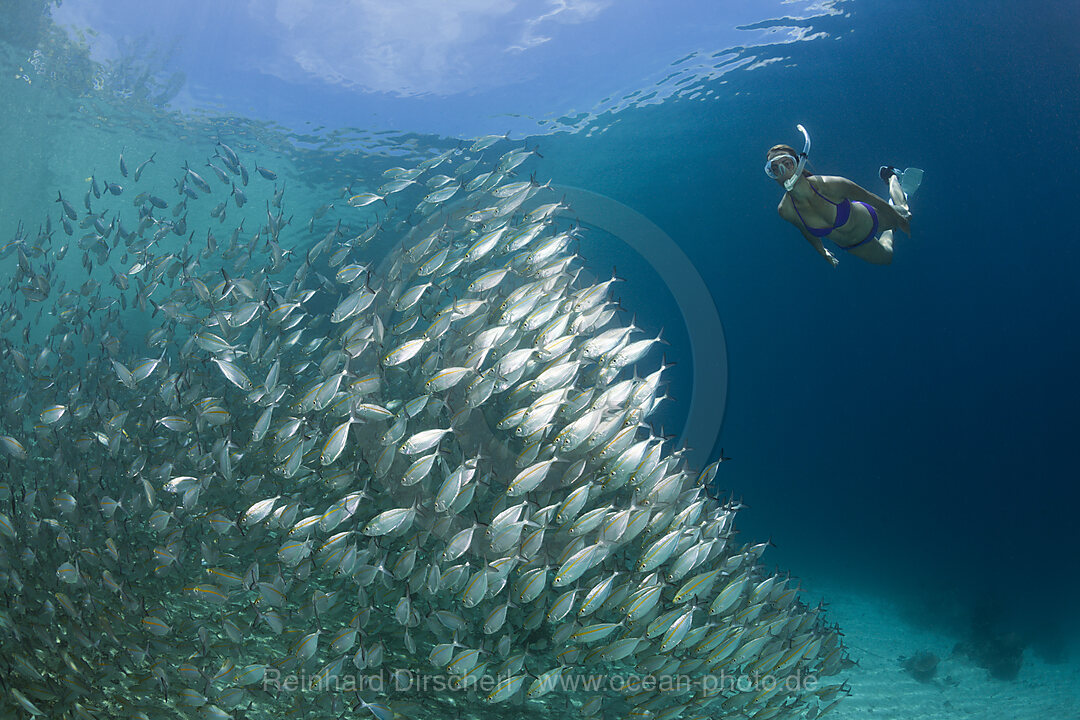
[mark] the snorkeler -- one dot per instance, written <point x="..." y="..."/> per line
<point x="825" y="206"/>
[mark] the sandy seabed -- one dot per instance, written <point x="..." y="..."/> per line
<point x="878" y="635"/>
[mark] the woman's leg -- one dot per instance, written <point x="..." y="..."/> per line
<point x="878" y="251"/>
<point x="885" y="239"/>
<point x="897" y="198"/>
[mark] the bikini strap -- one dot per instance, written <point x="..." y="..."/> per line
<point x="836" y="204"/>
<point x="818" y="232"/>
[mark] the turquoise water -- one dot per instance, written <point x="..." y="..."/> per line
<point x="903" y="430"/>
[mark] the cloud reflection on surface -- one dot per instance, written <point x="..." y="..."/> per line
<point x="487" y="65"/>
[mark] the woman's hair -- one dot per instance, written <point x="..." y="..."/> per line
<point x="786" y="150"/>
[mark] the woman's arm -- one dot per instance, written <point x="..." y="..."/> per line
<point x="815" y="241"/>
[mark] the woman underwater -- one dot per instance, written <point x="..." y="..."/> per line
<point x="825" y="206"/>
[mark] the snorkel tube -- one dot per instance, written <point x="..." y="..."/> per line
<point x="790" y="182"/>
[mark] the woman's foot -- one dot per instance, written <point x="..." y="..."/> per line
<point x="888" y="171"/>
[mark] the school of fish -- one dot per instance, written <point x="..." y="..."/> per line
<point x="421" y="446"/>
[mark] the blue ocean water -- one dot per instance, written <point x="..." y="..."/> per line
<point x="905" y="430"/>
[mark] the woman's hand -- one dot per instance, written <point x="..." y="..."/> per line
<point x="831" y="258"/>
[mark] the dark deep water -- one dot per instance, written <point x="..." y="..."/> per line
<point x="906" y="428"/>
<point x="910" y="429"/>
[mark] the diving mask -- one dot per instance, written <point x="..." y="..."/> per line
<point x="777" y="165"/>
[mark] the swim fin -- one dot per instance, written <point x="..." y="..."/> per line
<point x="910" y="180"/>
